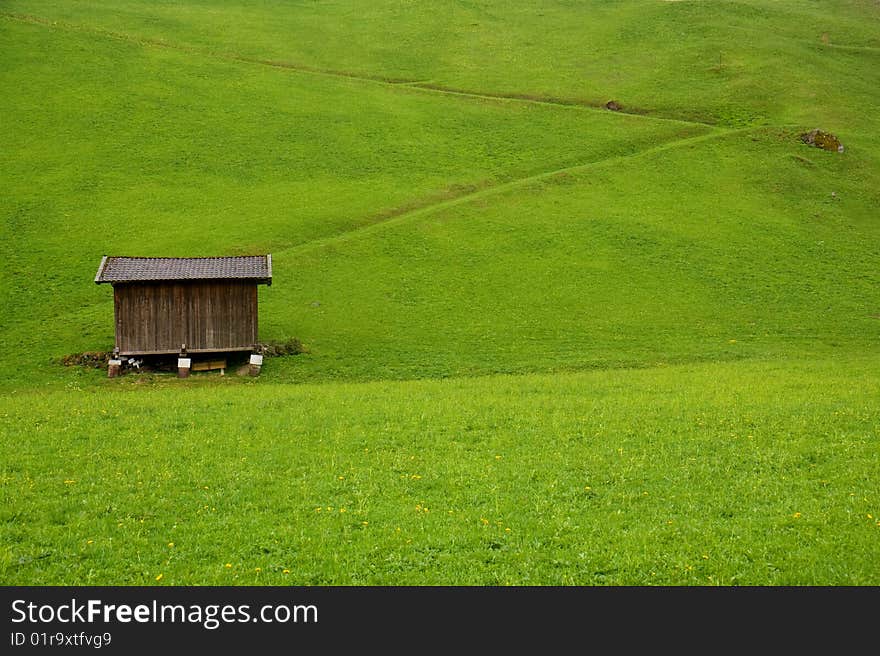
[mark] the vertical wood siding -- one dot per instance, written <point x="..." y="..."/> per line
<point x="206" y="316"/>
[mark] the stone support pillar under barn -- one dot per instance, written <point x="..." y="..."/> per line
<point x="114" y="368"/>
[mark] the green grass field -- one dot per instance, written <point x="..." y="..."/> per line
<point x="547" y="343"/>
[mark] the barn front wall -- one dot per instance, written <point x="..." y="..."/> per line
<point x="203" y="316"/>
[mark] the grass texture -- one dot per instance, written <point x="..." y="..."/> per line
<point x="546" y="342"/>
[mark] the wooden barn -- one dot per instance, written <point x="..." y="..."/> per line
<point x="185" y="305"/>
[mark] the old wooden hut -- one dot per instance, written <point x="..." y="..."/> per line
<point x="185" y="305"/>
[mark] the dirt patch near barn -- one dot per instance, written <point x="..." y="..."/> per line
<point x="87" y="359"/>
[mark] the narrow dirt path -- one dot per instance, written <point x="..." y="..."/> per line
<point x="417" y="208"/>
<point x="397" y="218"/>
<point x="421" y="86"/>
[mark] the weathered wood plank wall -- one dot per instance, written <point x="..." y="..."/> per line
<point x="206" y="316"/>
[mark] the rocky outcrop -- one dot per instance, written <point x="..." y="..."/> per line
<point x="823" y="140"/>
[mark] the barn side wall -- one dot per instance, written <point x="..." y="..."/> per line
<point x="205" y="316"/>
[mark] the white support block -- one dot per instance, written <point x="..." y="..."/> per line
<point x="184" y="363"/>
<point x="257" y="360"/>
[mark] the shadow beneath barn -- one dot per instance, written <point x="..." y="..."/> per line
<point x="234" y="362"/>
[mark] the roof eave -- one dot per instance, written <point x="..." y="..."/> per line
<point x="255" y="280"/>
<point x="100" y="273"/>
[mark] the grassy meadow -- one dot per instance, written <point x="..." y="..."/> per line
<point x="547" y="343"/>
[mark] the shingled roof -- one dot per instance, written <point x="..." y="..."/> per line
<point x="257" y="268"/>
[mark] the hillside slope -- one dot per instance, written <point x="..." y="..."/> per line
<point x="500" y="233"/>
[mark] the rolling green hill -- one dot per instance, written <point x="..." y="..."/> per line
<point x="482" y="260"/>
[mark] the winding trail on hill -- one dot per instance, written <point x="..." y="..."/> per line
<point x="441" y="200"/>
<point x="410" y="213"/>
<point x="422" y="86"/>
